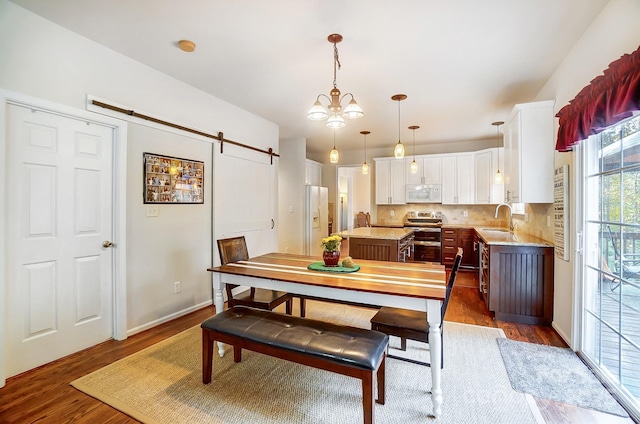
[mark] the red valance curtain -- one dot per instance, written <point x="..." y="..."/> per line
<point x="609" y="98"/>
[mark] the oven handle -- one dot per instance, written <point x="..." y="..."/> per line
<point x="426" y="243"/>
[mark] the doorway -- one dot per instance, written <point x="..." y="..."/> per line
<point x="354" y="195"/>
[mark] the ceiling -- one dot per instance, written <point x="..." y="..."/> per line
<point x="462" y="63"/>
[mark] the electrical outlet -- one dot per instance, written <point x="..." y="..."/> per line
<point x="465" y="213"/>
<point x="176" y="287"/>
<point x="392" y="212"/>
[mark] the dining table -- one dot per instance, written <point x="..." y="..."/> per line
<point x="415" y="286"/>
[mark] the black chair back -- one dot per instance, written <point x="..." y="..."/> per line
<point x="452" y="279"/>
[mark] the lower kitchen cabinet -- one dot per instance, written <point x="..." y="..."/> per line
<point x="452" y="238"/>
<point x="519" y="287"/>
<point x="381" y="249"/>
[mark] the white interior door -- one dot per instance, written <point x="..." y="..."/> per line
<point x="59" y="211"/>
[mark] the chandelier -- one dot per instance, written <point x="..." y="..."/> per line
<point x="335" y="114"/>
<point x="398" y="152"/>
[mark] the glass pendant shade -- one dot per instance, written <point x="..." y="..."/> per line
<point x="335" y="121"/>
<point x="353" y="110"/>
<point x="365" y="168"/>
<point x="317" y="112"/>
<point x="334" y="156"/>
<point x="399" y="150"/>
<point x="498" y="177"/>
<point x="414" y="167"/>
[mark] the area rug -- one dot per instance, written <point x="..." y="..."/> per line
<point x="162" y="384"/>
<point x="556" y="374"/>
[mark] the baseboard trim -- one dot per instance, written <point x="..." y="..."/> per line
<point x="167" y="318"/>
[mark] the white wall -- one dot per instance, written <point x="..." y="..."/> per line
<point x="613" y="33"/>
<point x="44" y="60"/>
<point x="291" y="195"/>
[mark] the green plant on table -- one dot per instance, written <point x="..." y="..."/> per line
<point x="331" y="243"/>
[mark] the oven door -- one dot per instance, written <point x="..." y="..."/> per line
<point x="426" y="245"/>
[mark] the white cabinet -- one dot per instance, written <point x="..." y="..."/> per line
<point x="457" y="179"/>
<point x="313" y="173"/>
<point x="429" y="170"/>
<point x="529" y="150"/>
<point x="487" y="163"/>
<point x="390" y="175"/>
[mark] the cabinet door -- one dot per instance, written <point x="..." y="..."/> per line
<point x="397" y="186"/>
<point x="449" y="180"/>
<point x="383" y="178"/>
<point x="432" y="169"/>
<point x="313" y="173"/>
<point x="483" y="176"/>
<point x="465" y="177"/>
<point x="467" y="242"/>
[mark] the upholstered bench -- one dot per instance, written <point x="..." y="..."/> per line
<point x="350" y="351"/>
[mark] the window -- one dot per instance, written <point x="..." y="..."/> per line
<point x="611" y="273"/>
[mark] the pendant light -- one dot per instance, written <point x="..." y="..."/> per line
<point x="334" y="155"/>
<point x="365" y="167"/>
<point x="414" y="165"/>
<point x="498" y="178"/>
<point x="398" y="152"/>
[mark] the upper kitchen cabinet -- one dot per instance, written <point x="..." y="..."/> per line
<point x="429" y="170"/>
<point x="390" y="183"/>
<point x="457" y="179"/>
<point x="528" y="146"/>
<point x="313" y="173"/>
<point x="487" y="163"/>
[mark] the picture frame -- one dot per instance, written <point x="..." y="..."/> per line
<point x="172" y="180"/>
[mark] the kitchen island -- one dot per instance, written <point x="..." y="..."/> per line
<point x="379" y="244"/>
<point x="516" y="276"/>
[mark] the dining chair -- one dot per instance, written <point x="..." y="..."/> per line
<point x="233" y="250"/>
<point x="413" y="325"/>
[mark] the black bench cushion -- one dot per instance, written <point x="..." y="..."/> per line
<point x="340" y="344"/>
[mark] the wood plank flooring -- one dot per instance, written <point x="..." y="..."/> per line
<point x="44" y="395"/>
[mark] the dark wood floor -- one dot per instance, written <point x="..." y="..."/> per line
<point x="44" y="395"/>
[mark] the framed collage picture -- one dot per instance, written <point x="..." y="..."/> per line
<point x="169" y="179"/>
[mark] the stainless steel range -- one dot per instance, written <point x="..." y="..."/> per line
<point x="427" y="227"/>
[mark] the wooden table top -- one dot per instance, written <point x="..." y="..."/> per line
<point x="419" y="280"/>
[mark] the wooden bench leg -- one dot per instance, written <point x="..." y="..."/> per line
<point x="303" y="307"/>
<point x="237" y="354"/>
<point x="207" y="356"/>
<point x="368" y="397"/>
<point x="381" y="381"/>
<point x="289" y="307"/>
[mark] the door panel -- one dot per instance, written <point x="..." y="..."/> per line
<point x="60" y="283"/>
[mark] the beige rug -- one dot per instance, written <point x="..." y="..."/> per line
<point x="162" y="384"/>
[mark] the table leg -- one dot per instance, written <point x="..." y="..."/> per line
<point x="435" y="351"/>
<point x="218" y="301"/>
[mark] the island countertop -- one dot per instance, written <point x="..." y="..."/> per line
<point x="376" y="233"/>
<point x="502" y="236"/>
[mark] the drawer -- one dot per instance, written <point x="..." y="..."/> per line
<point x="450" y="232"/>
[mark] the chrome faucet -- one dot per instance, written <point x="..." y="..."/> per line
<point x="510" y="214"/>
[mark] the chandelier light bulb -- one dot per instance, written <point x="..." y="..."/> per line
<point x="335" y="121"/>
<point x="399" y="150"/>
<point x="414" y="167"/>
<point x="365" y="168"/>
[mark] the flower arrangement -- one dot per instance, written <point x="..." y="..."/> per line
<point x="331" y="243"/>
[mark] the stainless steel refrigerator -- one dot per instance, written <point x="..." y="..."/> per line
<point x="316" y="219"/>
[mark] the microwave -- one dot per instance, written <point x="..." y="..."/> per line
<point x="423" y="193"/>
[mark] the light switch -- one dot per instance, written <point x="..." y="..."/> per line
<point x="152" y="210"/>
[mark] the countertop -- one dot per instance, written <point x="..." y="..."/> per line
<point x="376" y="233"/>
<point x="502" y="236"/>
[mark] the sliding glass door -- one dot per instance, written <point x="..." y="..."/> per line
<point x="611" y="273"/>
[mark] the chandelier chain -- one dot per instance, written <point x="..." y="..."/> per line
<point x="336" y="62"/>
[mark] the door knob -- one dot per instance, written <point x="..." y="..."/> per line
<point x="106" y="244"/>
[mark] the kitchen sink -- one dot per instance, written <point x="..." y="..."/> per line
<point x="497" y="230"/>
